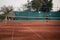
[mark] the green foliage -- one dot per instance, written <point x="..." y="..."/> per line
<point x="3" y="16"/>
<point x="6" y="11"/>
<point x="44" y="5"/>
<point x="36" y="4"/>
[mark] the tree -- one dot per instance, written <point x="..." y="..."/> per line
<point x="28" y="6"/>
<point x="36" y="4"/>
<point x="42" y="5"/>
<point x="6" y="12"/>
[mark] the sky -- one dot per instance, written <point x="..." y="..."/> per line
<point x="19" y="3"/>
<point x="15" y="3"/>
<point x="56" y="5"/>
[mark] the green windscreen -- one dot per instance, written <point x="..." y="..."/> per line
<point x="37" y="15"/>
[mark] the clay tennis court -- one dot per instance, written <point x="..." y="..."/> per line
<point x="30" y="30"/>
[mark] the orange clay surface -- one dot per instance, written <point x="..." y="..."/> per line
<point x="30" y="30"/>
